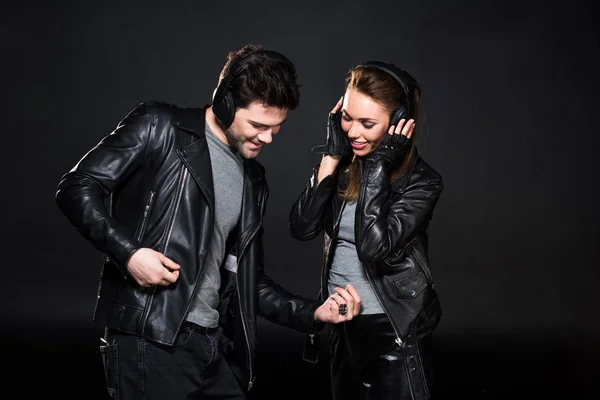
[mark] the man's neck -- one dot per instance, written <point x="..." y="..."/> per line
<point x="215" y="126"/>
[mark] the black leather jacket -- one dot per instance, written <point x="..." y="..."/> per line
<point x="391" y="238"/>
<point x="149" y="184"/>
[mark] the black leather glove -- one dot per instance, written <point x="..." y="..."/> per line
<point x="338" y="144"/>
<point x="392" y="149"/>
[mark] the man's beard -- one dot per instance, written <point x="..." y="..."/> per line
<point x="233" y="140"/>
<point x="236" y="143"/>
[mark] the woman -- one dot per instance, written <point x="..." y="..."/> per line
<point x="373" y="196"/>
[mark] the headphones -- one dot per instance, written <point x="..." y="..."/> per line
<point x="223" y="104"/>
<point x="408" y="84"/>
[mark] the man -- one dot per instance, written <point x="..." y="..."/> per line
<point x="175" y="199"/>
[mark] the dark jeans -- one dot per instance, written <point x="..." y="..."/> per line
<point x="367" y="363"/>
<point x="192" y="368"/>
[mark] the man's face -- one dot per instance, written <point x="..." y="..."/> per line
<point x="254" y="127"/>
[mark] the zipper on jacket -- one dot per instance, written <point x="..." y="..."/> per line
<point x="243" y="245"/>
<point x="424" y="264"/>
<point x="242" y="314"/>
<point x="164" y="248"/>
<point x="317" y="189"/>
<point x="398" y="339"/>
<point x="325" y="270"/>
<point x="177" y="202"/>
<point x="145" y="215"/>
<point x="245" y="328"/>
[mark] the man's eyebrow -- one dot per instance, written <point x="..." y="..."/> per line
<point x="260" y="124"/>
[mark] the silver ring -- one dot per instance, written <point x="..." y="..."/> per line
<point x="343" y="309"/>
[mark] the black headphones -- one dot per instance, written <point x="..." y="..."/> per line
<point x="223" y="105"/>
<point x="408" y="84"/>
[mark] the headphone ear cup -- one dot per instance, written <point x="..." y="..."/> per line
<point x="397" y="115"/>
<point x="223" y="105"/>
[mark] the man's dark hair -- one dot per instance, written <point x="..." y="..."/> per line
<point x="270" y="81"/>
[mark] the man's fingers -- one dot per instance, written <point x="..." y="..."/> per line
<point x="167" y="278"/>
<point x="170" y="276"/>
<point x="150" y="268"/>
<point x="167" y="262"/>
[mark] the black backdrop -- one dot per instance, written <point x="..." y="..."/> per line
<point x="510" y="99"/>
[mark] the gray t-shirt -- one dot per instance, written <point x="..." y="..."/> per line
<point x="347" y="268"/>
<point x="228" y="182"/>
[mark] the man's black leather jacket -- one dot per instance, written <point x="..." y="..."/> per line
<point x="391" y="241"/>
<point x="149" y="184"/>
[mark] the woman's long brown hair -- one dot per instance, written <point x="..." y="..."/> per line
<point x="388" y="93"/>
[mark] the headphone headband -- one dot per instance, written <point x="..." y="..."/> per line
<point x="406" y="81"/>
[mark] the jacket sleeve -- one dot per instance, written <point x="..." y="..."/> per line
<point x="306" y="219"/>
<point x="278" y="305"/>
<point x="382" y="227"/>
<point x="284" y="308"/>
<point x="81" y="193"/>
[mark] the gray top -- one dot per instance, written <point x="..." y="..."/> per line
<point x="228" y="181"/>
<point x="347" y="268"/>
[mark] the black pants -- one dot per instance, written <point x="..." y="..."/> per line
<point x="367" y="363"/>
<point x="192" y="368"/>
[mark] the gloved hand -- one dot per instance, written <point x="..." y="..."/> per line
<point x="338" y="144"/>
<point x="395" y="146"/>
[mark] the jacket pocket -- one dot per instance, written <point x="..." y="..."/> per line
<point x="419" y="254"/>
<point x="144" y="221"/>
<point x="409" y="285"/>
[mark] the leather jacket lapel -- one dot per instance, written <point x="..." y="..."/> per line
<point x="195" y="154"/>
<point x="252" y="201"/>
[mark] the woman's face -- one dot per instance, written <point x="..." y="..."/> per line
<point x="364" y="120"/>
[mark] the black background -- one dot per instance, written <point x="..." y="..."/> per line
<point x="510" y="102"/>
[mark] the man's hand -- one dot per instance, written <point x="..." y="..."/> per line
<point x="329" y="311"/>
<point x="151" y="268"/>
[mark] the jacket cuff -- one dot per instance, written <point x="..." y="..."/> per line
<point x="315" y="326"/>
